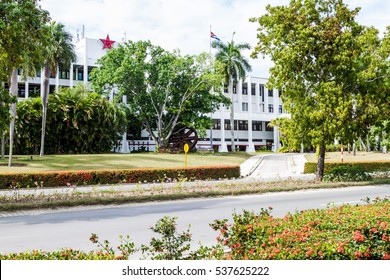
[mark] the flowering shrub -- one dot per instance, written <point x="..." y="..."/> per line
<point x="58" y="179"/>
<point x="347" y="232"/>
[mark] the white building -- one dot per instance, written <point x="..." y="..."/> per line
<point x="254" y="108"/>
<point x="254" y="105"/>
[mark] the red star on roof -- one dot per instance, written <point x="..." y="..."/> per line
<point x="107" y="43"/>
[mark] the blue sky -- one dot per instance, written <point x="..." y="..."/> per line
<point x="184" y="24"/>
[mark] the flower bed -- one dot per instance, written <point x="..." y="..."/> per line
<point x="342" y="233"/>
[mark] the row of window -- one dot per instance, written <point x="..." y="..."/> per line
<point x="245" y="107"/>
<point x="78" y="74"/>
<point x="253" y="90"/>
<point x="242" y="125"/>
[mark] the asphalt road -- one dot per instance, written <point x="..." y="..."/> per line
<point x="72" y="228"/>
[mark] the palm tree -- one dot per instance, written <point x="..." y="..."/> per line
<point x="235" y="67"/>
<point x="59" y="52"/>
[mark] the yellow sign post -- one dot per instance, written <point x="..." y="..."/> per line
<point x="186" y="149"/>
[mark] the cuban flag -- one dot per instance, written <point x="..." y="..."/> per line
<point x="212" y="35"/>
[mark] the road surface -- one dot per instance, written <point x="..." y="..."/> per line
<point x="72" y="228"/>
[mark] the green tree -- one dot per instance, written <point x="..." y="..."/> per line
<point x="164" y="89"/>
<point x="333" y="71"/>
<point x="59" y="53"/>
<point x="21" y="41"/>
<point x="235" y="66"/>
<point x="5" y="101"/>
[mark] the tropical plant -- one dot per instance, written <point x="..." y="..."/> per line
<point x="235" y="66"/>
<point x="78" y="122"/>
<point x="21" y="41"/>
<point x="59" y="52"/>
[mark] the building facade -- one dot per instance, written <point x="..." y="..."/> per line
<point x="254" y="104"/>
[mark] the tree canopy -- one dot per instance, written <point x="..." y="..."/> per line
<point x="165" y="90"/>
<point x="334" y="72"/>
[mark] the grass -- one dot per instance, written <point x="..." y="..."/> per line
<point x="118" y="161"/>
<point x="349" y="157"/>
<point x="73" y="197"/>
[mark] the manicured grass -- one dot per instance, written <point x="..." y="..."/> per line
<point x="349" y="157"/>
<point x="118" y="161"/>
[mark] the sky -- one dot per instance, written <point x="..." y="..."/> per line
<point x="185" y="24"/>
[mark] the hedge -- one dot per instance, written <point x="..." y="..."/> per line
<point x="374" y="166"/>
<point x="78" y="178"/>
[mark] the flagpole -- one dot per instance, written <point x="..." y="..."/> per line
<point x="211" y="128"/>
<point x="210" y="40"/>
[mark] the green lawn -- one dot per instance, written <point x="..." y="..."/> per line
<point x="118" y="161"/>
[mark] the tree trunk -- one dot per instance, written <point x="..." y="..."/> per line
<point x="13" y="91"/>
<point x="368" y="143"/>
<point x="321" y="162"/>
<point x="44" y="97"/>
<point x="233" y="145"/>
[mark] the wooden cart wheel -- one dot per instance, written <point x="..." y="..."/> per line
<point x="183" y="136"/>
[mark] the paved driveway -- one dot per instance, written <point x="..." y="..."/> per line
<point x="275" y="167"/>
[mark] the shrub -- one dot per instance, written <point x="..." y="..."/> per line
<point x="347" y="232"/>
<point x="347" y="173"/>
<point x="374" y="166"/>
<point x="77" y="178"/>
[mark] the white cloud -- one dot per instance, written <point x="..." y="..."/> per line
<point x="183" y="24"/>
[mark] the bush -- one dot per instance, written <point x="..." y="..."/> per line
<point x="77" y="178"/>
<point x="343" y="233"/>
<point x="347" y="173"/>
<point x="374" y="166"/>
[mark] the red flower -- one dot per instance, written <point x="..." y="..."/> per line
<point x="358" y="237"/>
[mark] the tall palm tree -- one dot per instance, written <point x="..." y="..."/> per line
<point x="235" y="67"/>
<point x="59" y="52"/>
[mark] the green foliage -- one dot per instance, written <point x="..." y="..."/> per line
<point x="172" y="245"/>
<point x="377" y="166"/>
<point x="333" y="71"/>
<point x="164" y="89"/>
<point x="5" y="100"/>
<point x="78" y="122"/>
<point x="78" y="178"/>
<point x="343" y="233"/>
<point x="347" y="173"/>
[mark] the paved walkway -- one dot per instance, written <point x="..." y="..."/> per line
<point x="269" y="167"/>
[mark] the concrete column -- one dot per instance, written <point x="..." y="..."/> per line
<point x="276" y="115"/>
<point x="26" y="89"/>
<point x="251" y="147"/>
<point x="125" y="144"/>
<point x="71" y="75"/>
<point x="223" y="147"/>
<point x="57" y="79"/>
<point x="85" y="59"/>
